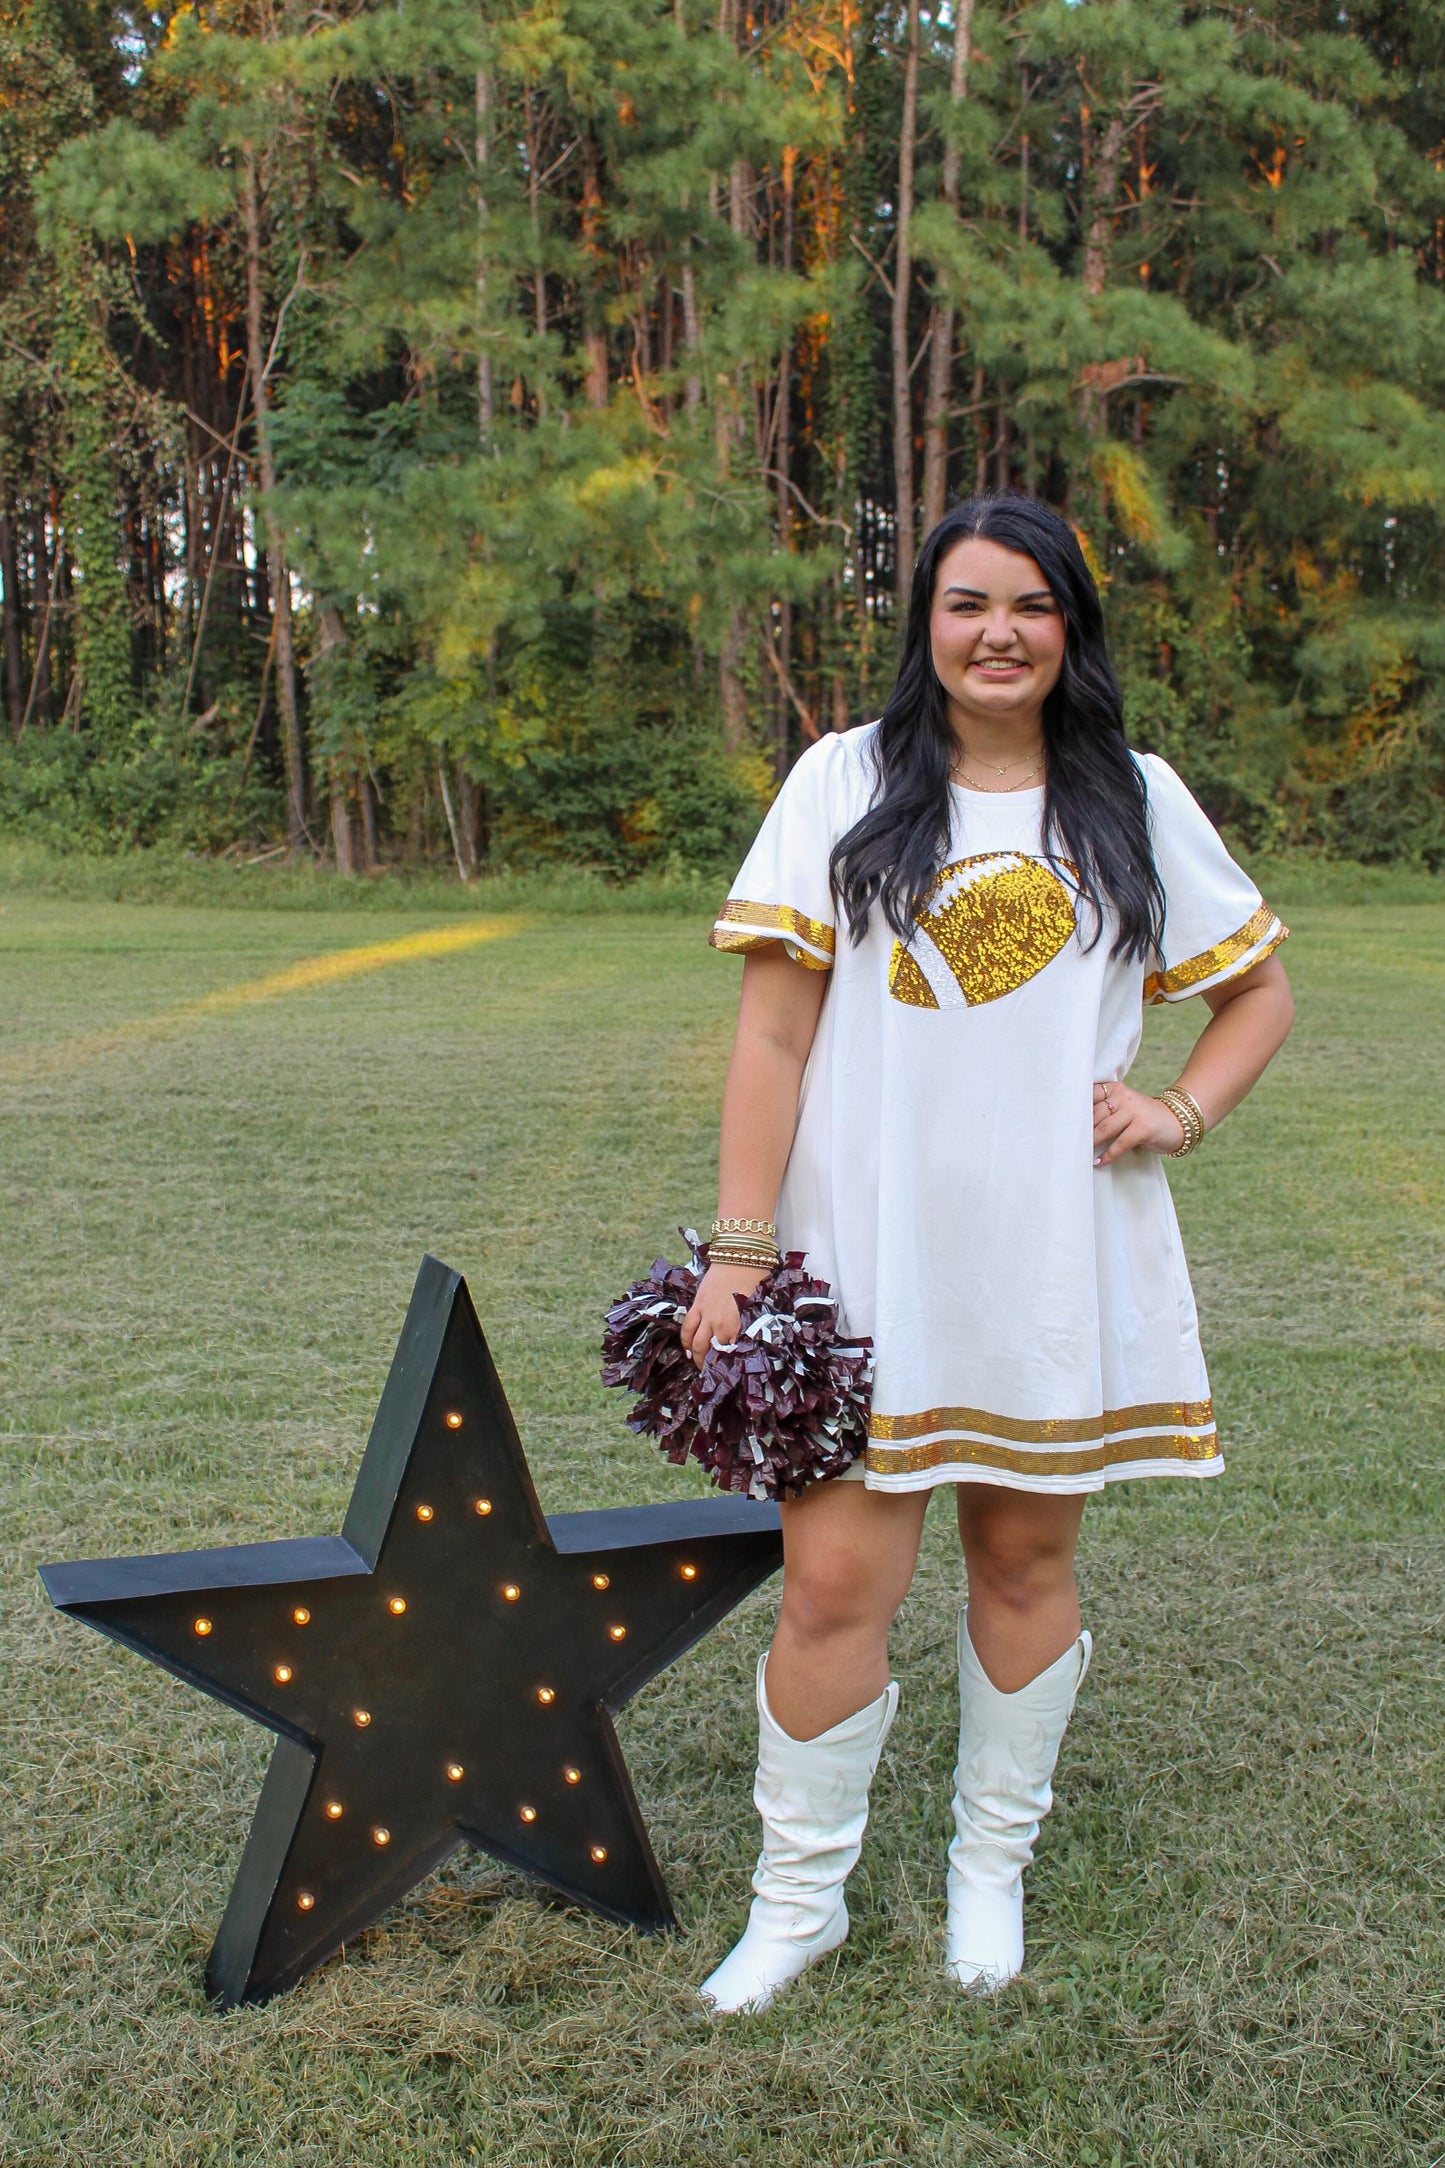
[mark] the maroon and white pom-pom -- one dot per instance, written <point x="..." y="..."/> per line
<point x="782" y="1406"/>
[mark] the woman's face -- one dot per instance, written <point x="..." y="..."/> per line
<point x="997" y="634"/>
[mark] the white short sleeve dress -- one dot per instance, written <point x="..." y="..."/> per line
<point x="1031" y="1314"/>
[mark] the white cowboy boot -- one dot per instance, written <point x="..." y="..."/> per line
<point x="813" y="1797"/>
<point x="1007" y="1747"/>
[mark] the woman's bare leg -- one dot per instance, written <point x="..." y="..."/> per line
<point x="848" y="1558"/>
<point x="1023" y="1600"/>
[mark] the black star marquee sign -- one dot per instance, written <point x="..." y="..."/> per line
<point x="443" y="1672"/>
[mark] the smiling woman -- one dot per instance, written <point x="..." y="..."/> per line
<point x="988" y="885"/>
<point x="1004" y="681"/>
<point x="998" y="646"/>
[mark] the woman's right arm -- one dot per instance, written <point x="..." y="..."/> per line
<point x="777" y="1017"/>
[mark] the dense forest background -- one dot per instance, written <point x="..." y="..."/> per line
<point x="501" y="432"/>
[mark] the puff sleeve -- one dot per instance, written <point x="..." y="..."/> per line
<point x="781" y="895"/>
<point x="1216" y="923"/>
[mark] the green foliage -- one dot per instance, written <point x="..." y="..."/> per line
<point x="163" y="787"/>
<point x="129" y="183"/>
<point x="592" y="760"/>
<point x="575" y="325"/>
<point x="1391" y="809"/>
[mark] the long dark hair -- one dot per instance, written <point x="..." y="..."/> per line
<point x="1094" y="802"/>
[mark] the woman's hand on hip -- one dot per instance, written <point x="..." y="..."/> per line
<point x="714" y="1313"/>
<point x="1130" y="1121"/>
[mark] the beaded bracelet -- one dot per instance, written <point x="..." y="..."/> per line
<point x="1187" y="1112"/>
<point x="1192" y="1106"/>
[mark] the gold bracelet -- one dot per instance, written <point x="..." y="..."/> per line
<point x="764" y="1227"/>
<point x="1187" y="1100"/>
<point x="745" y="1259"/>
<point x="1188" y="1113"/>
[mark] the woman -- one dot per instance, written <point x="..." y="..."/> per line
<point x="983" y="889"/>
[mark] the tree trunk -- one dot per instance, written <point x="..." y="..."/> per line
<point x="783" y="461"/>
<point x="731" y="424"/>
<point x="731" y="689"/>
<point x="341" y="837"/>
<point x="1104" y="179"/>
<point x="468" y="794"/>
<point x="343" y="841"/>
<point x="279" y="578"/>
<point x="461" y="814"/>
<point x="1103" y="185"/>
<point x="366" y="798"/>
<point x="14" y="663"/>
<point x="732" y="692"/>
<point x="903" y="526"/>
<point x="191" y="479"/>
<point x="1002" y="446"/>
<point x="691" y="336"/>
<point x="939" y="394"/>
<point x="534" y="141"/>
<point x="219" y="529"/>
<point x="484" y="355"/>
<point x="156" y="584"/>
<point x="594" y="331"/>
<point x="40" y="706"/>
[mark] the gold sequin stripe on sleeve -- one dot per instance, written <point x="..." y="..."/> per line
<point x="742" y="926"/>
<point x="1257" y="938"/>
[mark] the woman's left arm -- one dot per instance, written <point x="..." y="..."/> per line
<point x="1249" y="1023"/>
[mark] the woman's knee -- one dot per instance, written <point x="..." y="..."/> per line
<point x="821" y="1599"/>
<point x="1019" y="1556"/>
<point x="847" y="1562"/>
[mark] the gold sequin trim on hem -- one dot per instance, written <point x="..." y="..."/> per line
<point x="1180" y="977"/>
<point x="780" y="919"/>
<point x="1054" y="1430"/>
<point x="1089" y="1460"/>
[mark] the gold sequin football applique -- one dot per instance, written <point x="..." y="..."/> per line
<point x="995" y="920"/>
<point x="906" y="981"/>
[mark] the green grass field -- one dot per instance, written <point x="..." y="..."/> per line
<point x="213" y="1209"/>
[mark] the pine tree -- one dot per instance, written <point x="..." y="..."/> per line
<point x="590" y="373"/>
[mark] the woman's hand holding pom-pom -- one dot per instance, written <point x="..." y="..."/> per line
<point x="714" y="1313"/>
<point x="743" y="1371"/>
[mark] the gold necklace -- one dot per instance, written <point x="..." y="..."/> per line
<point x="998" y="769"/>
<point x="994" y="789"/>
